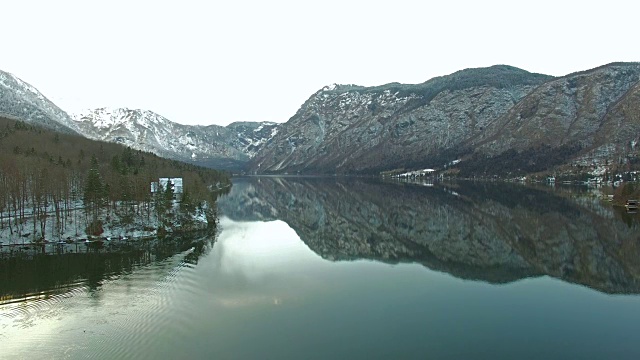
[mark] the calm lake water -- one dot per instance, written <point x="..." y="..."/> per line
<point x="305" y="268"/>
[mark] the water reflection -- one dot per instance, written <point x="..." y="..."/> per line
<point x="353" y="288"/>
<point x="481" y="231"/>
<point x="28" y="276"/>
<point x="262" y="262"/>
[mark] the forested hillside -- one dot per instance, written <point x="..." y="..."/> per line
<point x="68" y="181"/>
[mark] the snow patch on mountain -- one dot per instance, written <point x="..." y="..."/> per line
<point x="148" y="131"/>
<point x="22" y="101"/>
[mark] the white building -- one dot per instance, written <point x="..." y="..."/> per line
<point x="163" y="182"/>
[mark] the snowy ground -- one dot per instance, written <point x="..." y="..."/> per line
<point x="73" y="237"/>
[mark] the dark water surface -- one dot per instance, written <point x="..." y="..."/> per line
<point x="330" y="268"/>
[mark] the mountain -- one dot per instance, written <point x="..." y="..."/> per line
<point x="19" y="100"/>
<point x="582" y="119"/>
<point x="354" y="129"/>
<point x="499" y="119"/>
<point x="214" y="146"/>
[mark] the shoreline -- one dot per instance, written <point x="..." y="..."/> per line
<point x="83" y="245"/>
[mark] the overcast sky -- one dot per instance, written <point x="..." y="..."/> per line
<point x="215" y="62"/>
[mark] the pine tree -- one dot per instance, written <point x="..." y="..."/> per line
<point x="187" y="210"/>
<point x="94" y="191"/>
<point x="168" y="196"/>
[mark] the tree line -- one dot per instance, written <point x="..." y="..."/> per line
<point x="76" y="181"/>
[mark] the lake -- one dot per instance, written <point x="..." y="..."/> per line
<point x="317" y="268"/>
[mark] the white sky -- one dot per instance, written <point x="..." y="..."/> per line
<point x="215" y="62"/>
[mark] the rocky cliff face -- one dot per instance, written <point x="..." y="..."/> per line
<point x="21" y="101"/>
<point x="251" y="136"/>
<point x="473" y="231"/>
<point x="591" y="117"/>
<point x="498" y="119"/>
<point x="215" y="146"/>
<point x="351" y="129"/>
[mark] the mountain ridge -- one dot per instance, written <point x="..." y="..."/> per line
<point x="456" y="117"/>
<point x="211" y="145"/>
<point x="372" y="124"/>
<point x="575" y="111"/>
<point x="497" y="120"/>
<point x="20" y="100"/>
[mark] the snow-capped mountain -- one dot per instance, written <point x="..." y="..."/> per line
<point x="20" y="100"/>
<point x="217" y="146"/>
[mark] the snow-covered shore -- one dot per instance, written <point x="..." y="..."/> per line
<point x="117" y="228"/>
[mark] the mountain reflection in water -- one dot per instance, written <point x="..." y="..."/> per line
<point x="481" y="231"/>
<point x="279" y="280"/>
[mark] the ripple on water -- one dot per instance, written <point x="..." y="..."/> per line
<point x="143" y="325"/>
<point x="24" y="310"/>
<point x="125" y="307"/>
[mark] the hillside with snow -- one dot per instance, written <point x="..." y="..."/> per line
<point x="228" y="148"/>
<point x="21" y="101"/>
<point x="216" y="146"/>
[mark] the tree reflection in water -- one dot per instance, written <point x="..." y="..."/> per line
<point x="25" y="275"/>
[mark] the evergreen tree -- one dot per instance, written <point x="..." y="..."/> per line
<point x="168" y="195"/>
<point x="187" y="210"/>
<point x="94" y="190"/>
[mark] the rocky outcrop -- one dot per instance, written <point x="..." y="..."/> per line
<point x="473" y="231"/>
